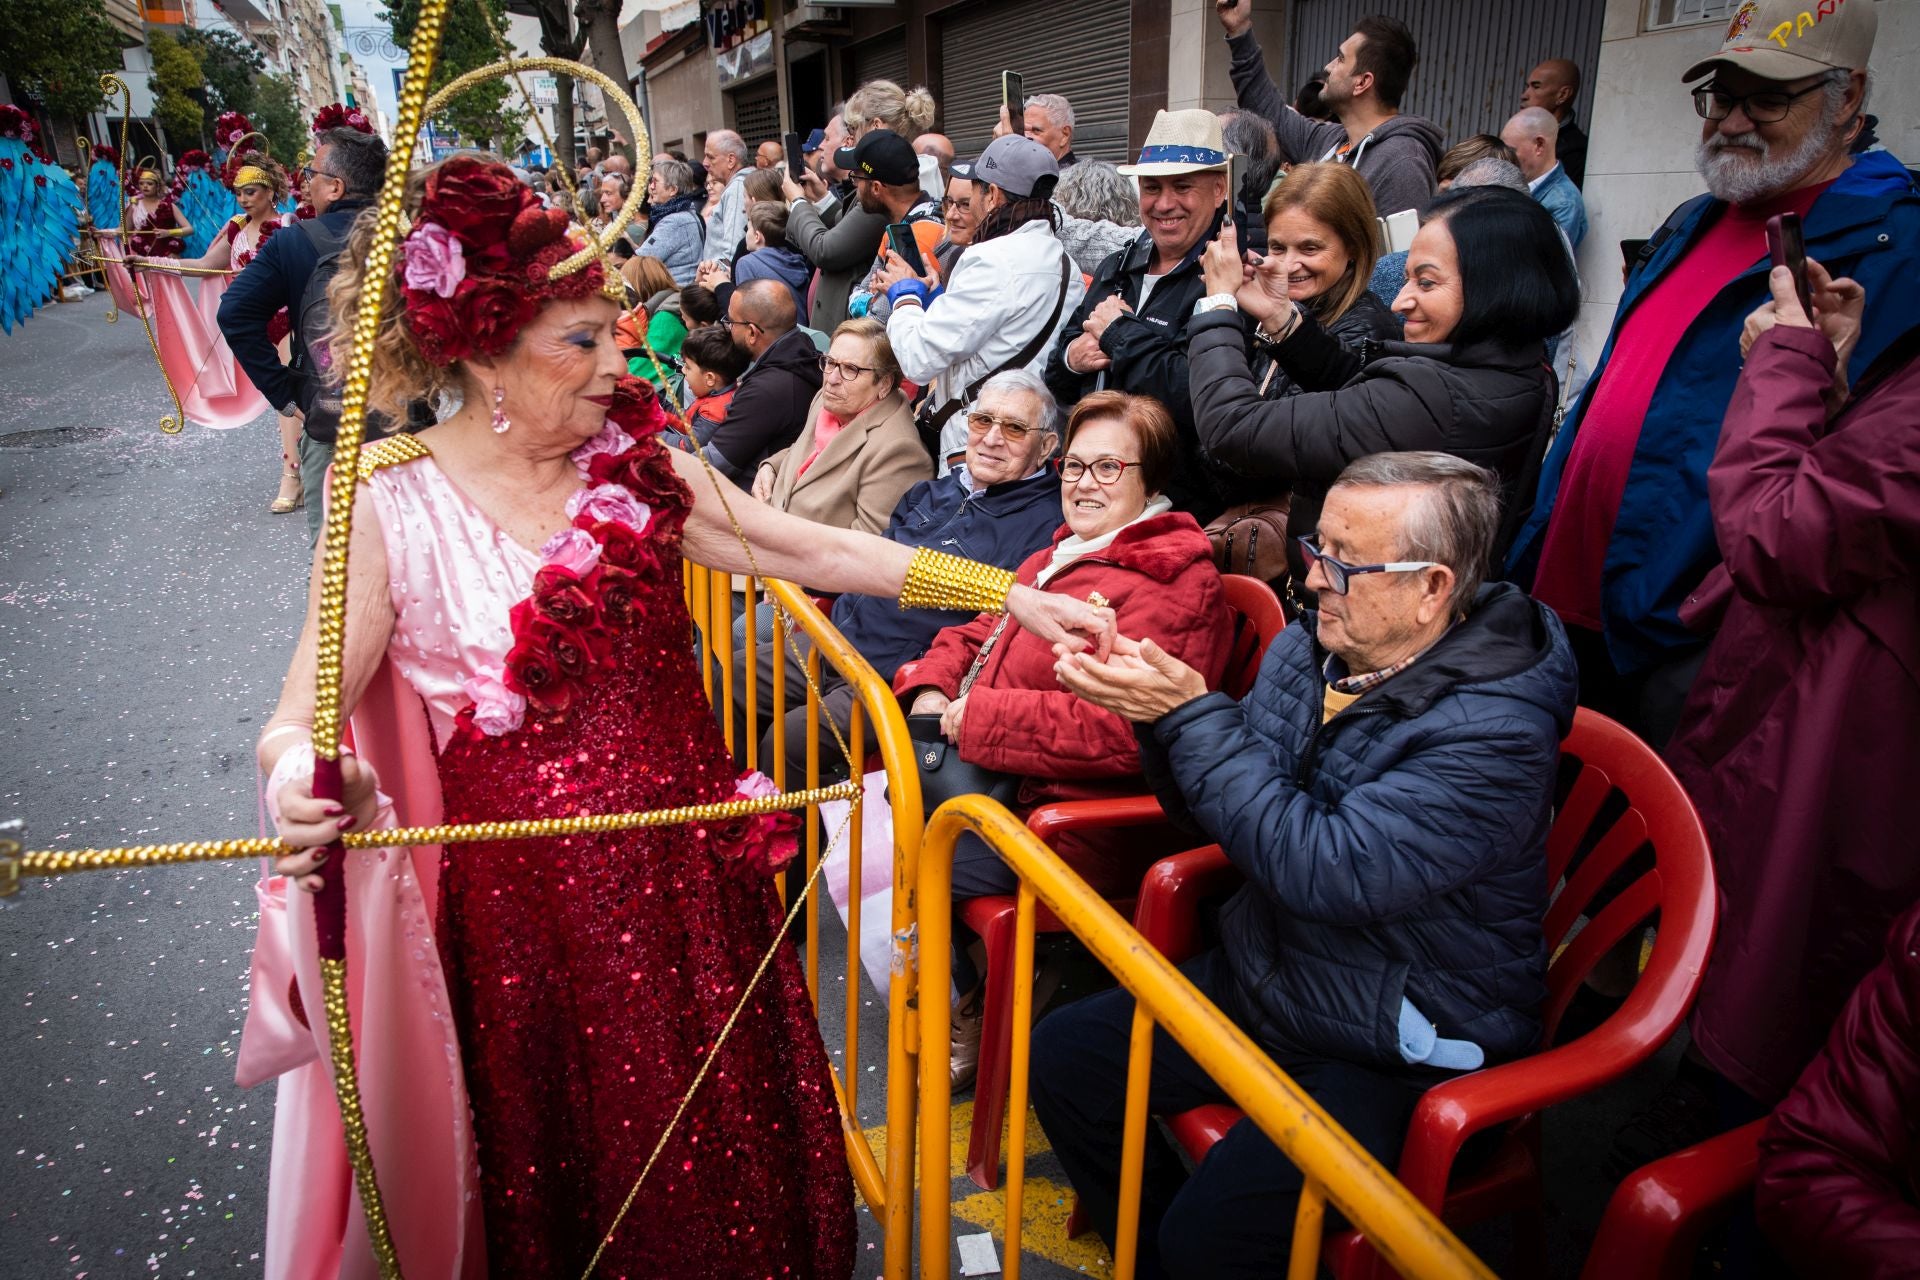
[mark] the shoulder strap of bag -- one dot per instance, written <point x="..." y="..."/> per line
<point x="980" y="659"/>
<point x="1021" y="358"/>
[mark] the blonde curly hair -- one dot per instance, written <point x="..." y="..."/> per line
<point x="884" y="104"/>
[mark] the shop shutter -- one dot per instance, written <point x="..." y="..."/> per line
<point x="1474" y="58"/>
<point x="1087" y="59"/>
<point x="756" y="111"/>
<point x="884" y="57"/>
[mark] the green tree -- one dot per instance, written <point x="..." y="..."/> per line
<point x="277" y="114"/>
<point x="481" y="115"/>
<point x="231" y="67"/>
<point x="176" y="79"/>
<point x="57" y="50"/>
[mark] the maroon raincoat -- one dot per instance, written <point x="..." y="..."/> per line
<point x="1800" y="742"/>
<point x="1839" y="1189"/>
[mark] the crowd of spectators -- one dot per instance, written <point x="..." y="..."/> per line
<point x="1715" y="542"/>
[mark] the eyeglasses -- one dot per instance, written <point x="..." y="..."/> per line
<point x="1106" y="471"/>
<point x="1765" y="107"/>
<point x="308" y="173"/>
<point x="979" y="423"/>
<point x="1338" y="573"/>
<point x="953" y="202"/>
<point x="848" y="371"/>
<point x="731" y="323"/>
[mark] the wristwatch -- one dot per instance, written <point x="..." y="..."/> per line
<point x="1215" y="302"/>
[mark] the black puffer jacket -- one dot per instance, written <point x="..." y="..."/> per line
<point x="1488" y="403"/>
<point x="768" y="409"/>
<point x="1396" y="852"/>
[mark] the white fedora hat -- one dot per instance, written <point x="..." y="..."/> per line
<point x="1180" y="142"/>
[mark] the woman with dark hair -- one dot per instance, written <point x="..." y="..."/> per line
<point x="1011" y="292"/>
<point x="1487" y="283"/>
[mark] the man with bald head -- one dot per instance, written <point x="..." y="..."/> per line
<point x="727" y="158"/>
<point x="940" y="147"/>
<point x="769" y="154"/>
<point x="770" y="401"/>
<point x="1552" y="86"/>
<point x="1532" y="134"/>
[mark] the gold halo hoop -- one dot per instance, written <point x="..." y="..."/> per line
<point x="266" y="147"/>
<point x="643" y="159"/>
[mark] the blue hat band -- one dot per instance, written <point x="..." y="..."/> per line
<point x="1182" y="155"/>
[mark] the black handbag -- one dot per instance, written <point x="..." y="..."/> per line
<point x="943" y="774"/>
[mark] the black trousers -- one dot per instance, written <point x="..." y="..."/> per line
<point x="1234" y="1215"/>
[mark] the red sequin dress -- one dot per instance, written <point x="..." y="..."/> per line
<point x="589" y="976"/>
<point x="144" y="243"/>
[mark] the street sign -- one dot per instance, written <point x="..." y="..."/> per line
<point x="546" y="91"/>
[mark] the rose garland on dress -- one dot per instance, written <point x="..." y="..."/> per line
<point x="625" y="522"/>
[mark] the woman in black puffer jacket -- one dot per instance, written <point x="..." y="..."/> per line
<point x="1488" y="281"/>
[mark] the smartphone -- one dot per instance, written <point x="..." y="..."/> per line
<point x="1013" y="95"/>
<point x="1788" y="248"/>
<point x="796" y="156"/>
<point x="900" y="240"/>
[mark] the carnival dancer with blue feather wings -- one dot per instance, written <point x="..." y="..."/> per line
<point x="39" y="215"/>
<point x="204" y="198"/>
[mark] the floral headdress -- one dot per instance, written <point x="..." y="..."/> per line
<point x="191" y="161"/>
<point x="231" y="125"/>
<point x="337" y="115"/>
<point x="104" y="151"/>
<point x="15" y="123"/>
<point x="475" y="267"/>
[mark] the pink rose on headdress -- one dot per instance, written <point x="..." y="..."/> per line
<point x="496" y="708"/>
<point x="573" y="550"/>
<point x="608" y="502"/>
<point x="435" y="262"/>
<point x="611" y="440"/>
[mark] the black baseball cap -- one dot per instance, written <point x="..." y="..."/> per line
<point x="882" y="155"/>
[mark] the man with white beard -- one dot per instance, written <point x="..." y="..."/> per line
<point x="1620" y="537"/>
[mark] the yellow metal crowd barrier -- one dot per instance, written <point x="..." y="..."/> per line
<point x="716" y="606"/>
<point x="1337" y="1168"/>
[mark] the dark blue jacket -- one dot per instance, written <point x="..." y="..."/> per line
<point x="275" y="279"/>
<point x="1866" y="225"/>
<point x="1398" y="851"/>
<point x="1001" y="526"/>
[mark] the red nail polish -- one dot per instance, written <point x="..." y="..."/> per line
<point x="346" y="824"/>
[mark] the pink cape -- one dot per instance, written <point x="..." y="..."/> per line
<point x="412" y="1088"/>
<point x="113" y="251"/>
<point x="213" y="389"/>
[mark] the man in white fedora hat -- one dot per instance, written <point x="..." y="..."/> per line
<point x="1130" y="333"/>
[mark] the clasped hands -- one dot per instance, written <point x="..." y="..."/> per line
<point x="1137" y="680"/>
<point x="1084" y="353"/>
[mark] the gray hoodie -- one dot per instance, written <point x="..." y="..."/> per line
<point x="1397" y="159"/>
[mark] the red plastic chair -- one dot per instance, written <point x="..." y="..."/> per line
<point x="1656" y="1218"/>
<point x="1679" y="888"/>
<point x="1259" y="619"/>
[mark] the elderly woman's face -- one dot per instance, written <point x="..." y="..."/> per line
<point x="611" y="197"/>
<point x="558" y="378"/>
<point x="849" y="385"/>
<point x="1433" y="298"/>
<point x="1092" y="507"/>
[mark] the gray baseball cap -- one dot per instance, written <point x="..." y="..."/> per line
<point x="1019" y="166"/>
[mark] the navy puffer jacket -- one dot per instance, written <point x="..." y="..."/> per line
<point x="1398" y="851"/>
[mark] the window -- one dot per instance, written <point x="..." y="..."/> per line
<point x="1686" y="13"/>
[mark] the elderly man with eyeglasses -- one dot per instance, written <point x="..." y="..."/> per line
<point x="998" y="505"/>
<point x="1386" y="789"/>
<point x="1621" y="538"/>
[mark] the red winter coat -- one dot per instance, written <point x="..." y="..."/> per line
<point x="1800" y="741"/>
<point x="1839" y="1189"/>
<point x="1159" y="577"/>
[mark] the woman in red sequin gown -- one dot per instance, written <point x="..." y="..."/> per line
<point x="528" y="1014"/>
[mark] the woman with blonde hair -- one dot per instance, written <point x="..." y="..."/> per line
<point x="882" y="104"/>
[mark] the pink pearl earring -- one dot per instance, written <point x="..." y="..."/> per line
<point x="500" y="423"/>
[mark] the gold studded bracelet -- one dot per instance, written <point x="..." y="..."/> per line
<point x="936" y="580"/>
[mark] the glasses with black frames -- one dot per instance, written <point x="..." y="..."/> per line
<point x="1769" y="106"/>
<point x="1338" y="572"/>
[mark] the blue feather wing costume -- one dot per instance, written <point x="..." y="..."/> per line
<point x="39" y="216"/>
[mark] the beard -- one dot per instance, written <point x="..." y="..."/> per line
<point x="1738" y="169"/>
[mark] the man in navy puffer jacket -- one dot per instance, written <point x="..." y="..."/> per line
<point x="1386" y="788"/>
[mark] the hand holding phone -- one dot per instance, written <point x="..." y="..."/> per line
<point x="796" y="156"/>
<point x="1013" y="94"/>
<point x="900" y="240"/>
<point x="1235" y="15"/>
<point x="1787" y="246"/>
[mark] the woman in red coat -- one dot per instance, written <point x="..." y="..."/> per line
<point x="1123" y="543"/>
<point x="1839" y="1190"/>
<point x="1800" y="741"/>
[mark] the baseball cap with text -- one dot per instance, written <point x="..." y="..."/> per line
<point x="883" y="156"/>
<point x="1792" y="39"/>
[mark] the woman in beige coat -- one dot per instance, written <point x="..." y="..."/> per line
<point x="859" y="452"/>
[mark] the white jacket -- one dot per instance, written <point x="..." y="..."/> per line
<point x="1002" y="291"/>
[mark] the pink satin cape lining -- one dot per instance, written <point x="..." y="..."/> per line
<point x="412" y="1089"/>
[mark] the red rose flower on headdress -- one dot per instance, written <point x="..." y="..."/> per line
<point x="476" y="200"/>
<point x="229" y="128"/>
<point x="15" y="123"/>
<point x="195" y="158"/>
<point x="103" y="151"/>
<point x="337" y="115"/>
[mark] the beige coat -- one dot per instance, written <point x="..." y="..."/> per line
<point x="862" y="474"/>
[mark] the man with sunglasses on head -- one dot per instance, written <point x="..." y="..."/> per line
<point x="1386" y="789"/>
<point x="343" y="178"/>
<point x="1620" y="538"/>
